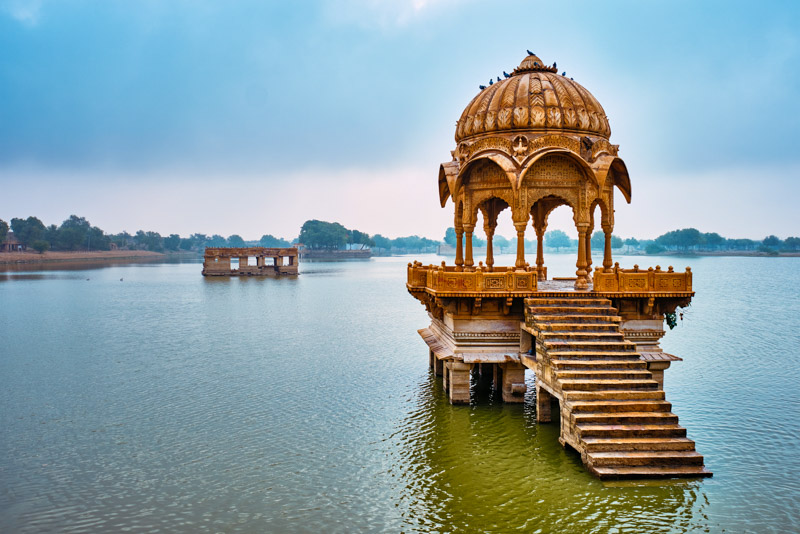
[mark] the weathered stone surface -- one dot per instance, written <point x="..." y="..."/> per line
<point x="217" y="261"/>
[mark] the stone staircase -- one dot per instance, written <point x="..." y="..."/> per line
<point x="612" y="410"/>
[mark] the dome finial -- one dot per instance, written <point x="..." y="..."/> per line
<point x="532" y="63"/>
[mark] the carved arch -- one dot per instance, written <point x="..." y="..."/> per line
<point x="448" y="172"/>
<point x="611" y="167"/>
<point x="528" y="165"/>
<point x="503" y="162"/>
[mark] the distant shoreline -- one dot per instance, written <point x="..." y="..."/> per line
<point x="12" y="258"/>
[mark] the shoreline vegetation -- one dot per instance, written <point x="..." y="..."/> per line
<point x="76" y="240"/>
<point x="12" y="258"/>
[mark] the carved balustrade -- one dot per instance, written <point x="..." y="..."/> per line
<point x="445" y="280"/>
<point x="642" y="281"/>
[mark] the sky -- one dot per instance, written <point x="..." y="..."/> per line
<point x="250" y="117"/>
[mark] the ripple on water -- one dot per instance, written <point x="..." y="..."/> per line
<point x="179" y="404"/>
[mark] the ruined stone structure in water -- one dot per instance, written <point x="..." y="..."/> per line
<point x="267" y="261"/>
<point x="529" y="144"/>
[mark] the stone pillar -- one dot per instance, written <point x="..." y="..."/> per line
<point x="589" y="251"/>
<point x="445" y="375"/>
<point x="513" y="382"/>
<point x="543" y="399"/>
<point x="540" y="252"/>
<point x="489" y="251"/>
<point x="468" y="261"/>
<point x="607" y="229"/>
<point x="459" y="249"/>
<point x="438" y="366"/>
<point x="458" y="383"/>
<point x="520" y="263"/>
<point x="582" y="282"/>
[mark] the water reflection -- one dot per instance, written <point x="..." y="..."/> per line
<point x="490" y="467"/>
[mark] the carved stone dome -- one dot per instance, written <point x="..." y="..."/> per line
<point x="534" y="98"/>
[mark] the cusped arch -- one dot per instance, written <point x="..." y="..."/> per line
<point x="503" y="162"/>
<point x="566" y="196"/>
<point x="604" y="213"/>
<point x="529" y="164"/>
<point x="479" y="198"/>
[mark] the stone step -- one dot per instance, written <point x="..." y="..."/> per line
<point x="637" y="444"/>
<point x="578" y="327"/>
<point x="688" y="471"/>
<point x="593" y="355"/>
<point x="650" y="458"/>
<point x="597" y="337"/>
<point x="611" y="384"/>
<point x="599" y="364"/>
<point x="547" y="302"/>
<point x="608" y="395"/>
<point x="584" y="318"/>
<point x="604" y="374"/>
<point x="592" y="430"/>
<point x="620" y="406"/>
<point x="619" y="346"/>
<point x="572" y="310"/>
<point x="626" y="418"/>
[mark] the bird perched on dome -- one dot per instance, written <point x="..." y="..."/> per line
<point x="530" y="53"/>
<point x="482" y="87"/>
<point x="507" y="75"/>
<point x="555" y="66"/>
<point x="564" y="73"/>
<point x="491" y="81"/>
<point x="498" y="78"/>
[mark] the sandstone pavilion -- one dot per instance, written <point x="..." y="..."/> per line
<point x="526" y="145"/>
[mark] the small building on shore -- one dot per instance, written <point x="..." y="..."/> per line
<point x="11" y="244"/>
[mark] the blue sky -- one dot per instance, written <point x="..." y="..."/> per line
<point x="250" y="117"/>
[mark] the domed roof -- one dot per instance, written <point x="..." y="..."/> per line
<point x="534" y="97"/>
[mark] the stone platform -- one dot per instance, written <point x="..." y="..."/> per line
<point x="595" y="352"/>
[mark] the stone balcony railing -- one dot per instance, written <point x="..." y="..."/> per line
<point x="642" y="281"/>
<point x="444" y="280"/>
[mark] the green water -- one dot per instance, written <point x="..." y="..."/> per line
<point x="167" y="402"/>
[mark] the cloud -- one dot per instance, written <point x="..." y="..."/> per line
<point x="25" y="11"/>
<point x="383" y="13"/>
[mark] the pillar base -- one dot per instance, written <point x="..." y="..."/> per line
<point x="543" y="405"/>
<point x="513" y="382"/>
<point x="458" y="382"/>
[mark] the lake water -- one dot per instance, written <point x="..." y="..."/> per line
<point x="148" y="398"/>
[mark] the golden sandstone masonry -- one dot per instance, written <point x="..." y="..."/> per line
<point x="528" y="144"/>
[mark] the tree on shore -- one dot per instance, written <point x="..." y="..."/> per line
<point x="599" y="241"/>
<point x="173" y="242"/>
<point x="40" y="246"/>
<point x="28" y="230"/>
<point x="557" y="239"/>
<point x="236" y="241"/>
<point x="3" y="230"/>
<point x="360" y="238"/>
<point x="270" y="241"/>
<point x="323" y="235"/>
<point x="450" y="236"/>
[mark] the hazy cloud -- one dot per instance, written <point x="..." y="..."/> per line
<point x="25" y="11"/>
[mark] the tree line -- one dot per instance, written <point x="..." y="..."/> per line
<point x="76" y="234"/>
<point x="685" y="240"/>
